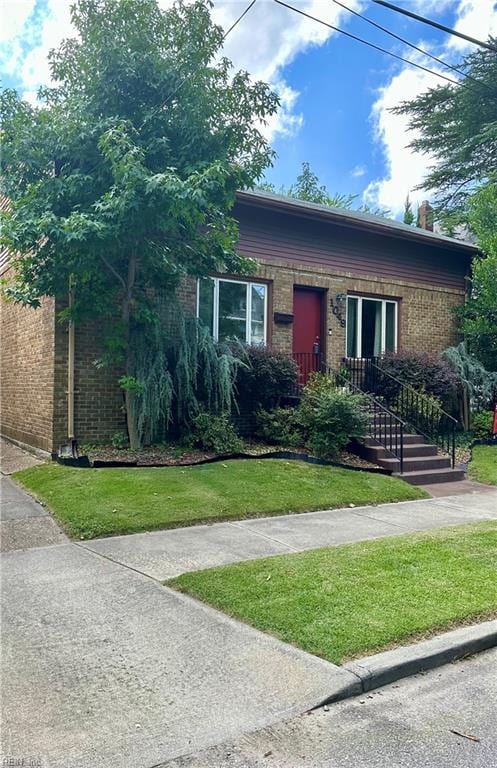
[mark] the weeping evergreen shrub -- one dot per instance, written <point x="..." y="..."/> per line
<point x="151" y="381"/>
<point x="178" y="371"/>
<point x="479" y="386"/>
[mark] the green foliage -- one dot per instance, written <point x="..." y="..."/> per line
<point x="307" y="187"/>
<point x="264" y="378"/>
<point x="280" y="426"/>
<point x="150" y="410"/>
<point x="119" y="440"/>
<point x="479" y="383"/>
<point x="178" y="375"/>
<point x="423" y="371"/>
<point x="215" y="433"/>
<point x="427" y="417"/>
<point x="331" y="416"/>
<point x="479" y="314"/>
<point x="482" y="424"/>
<point x="123" y="178"/>
<point x="408" y="217"/>
<point x="457" y="126"/>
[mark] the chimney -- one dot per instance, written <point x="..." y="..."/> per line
<point x="425" y="216"/>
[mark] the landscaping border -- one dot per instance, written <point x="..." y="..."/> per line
<point x="85" y="463"/>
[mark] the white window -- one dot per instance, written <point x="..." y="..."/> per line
<point x="233" y="309"/>
<point x="371" y="326"/>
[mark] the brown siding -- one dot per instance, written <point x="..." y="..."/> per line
<point x="275" y="236"/>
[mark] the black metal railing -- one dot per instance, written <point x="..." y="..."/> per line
<point x="416" y="409"/>
<point x="384" y="426"/>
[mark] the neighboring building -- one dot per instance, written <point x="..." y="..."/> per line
<point x="329" y="283"/>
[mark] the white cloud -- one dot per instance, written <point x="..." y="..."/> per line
<point x="266" y="40"/>
<point x="13" y="16"/>
<point x="476" y="18"/>
<point x="358" y="172"/>
<point x="406" y="169"/>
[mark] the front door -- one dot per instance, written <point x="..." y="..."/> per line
<point x="307" y="330"/>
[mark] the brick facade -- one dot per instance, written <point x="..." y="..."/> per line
<point x="27" y="373"/>
<point x="426" y="315"/>
<point x="35" y="346"/>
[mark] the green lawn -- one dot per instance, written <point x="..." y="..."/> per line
<point x="483" y="466"/>
<point x="101" y="502"/>
<point x="348" y="601"/>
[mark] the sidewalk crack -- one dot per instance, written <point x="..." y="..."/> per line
<point x="264" y="536"/>
<point x="116" y="562"/>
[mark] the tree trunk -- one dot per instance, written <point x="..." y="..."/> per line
<point x="130" y="395"/>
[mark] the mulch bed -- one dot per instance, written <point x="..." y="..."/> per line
<point x="175" y="456"/>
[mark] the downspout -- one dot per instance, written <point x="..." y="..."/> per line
<point x="69" y="450"/>
<point x="70" y="368"/>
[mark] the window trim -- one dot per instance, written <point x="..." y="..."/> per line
<point x="248" y="319"/>
<point x="358" y="339"/>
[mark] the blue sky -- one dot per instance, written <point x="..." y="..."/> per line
<point x="335" y="93"/>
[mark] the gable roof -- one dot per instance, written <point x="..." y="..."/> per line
<point x="355" y="219"/>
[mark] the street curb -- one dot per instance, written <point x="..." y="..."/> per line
<point x="383" y="668"/>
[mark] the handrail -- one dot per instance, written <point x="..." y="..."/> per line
<point x="427" y="418"/>
<point x="385" y="427"/>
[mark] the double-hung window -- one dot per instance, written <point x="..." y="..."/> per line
<point x="371" y="326"/>
<point x="233" y="309"/>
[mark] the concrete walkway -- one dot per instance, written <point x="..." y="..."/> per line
<point x="164" y="554"/>
<point x="23" y="522"/>
<point x="102" y="667"/>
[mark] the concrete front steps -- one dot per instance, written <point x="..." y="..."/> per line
<point x="423" y="464"/>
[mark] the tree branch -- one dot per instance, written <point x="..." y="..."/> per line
<point x="114" y="271"/>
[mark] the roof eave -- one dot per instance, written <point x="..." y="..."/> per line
<point x="292" y="207"/>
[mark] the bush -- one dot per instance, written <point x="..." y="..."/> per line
<point x="425" y="372"/>
<point x="331" y="415"/>
<point x="120" y="441"/>
<point x="280" y="426"/>
<point x="428" y="418"/>
<point x="264" y="378"/>
<point x="482" y="424"/>
<point x="215" y="433"/>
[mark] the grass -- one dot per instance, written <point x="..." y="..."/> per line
<point x="347" y="601"/>
<point x="101" y="502"/>
<point x="483" y="466"/>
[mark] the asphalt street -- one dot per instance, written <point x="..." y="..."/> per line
<point x="446" y="718"/>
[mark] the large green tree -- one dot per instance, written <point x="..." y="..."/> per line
<point x="307" y="187"/>
<point x="479" y="315"/>
<point x="122" y="178"/>
<point x="456" y="125"/>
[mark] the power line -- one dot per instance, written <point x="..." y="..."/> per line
<point x="436" y="24"/>
<point x="403" y="40"/>
<point x="237" y="21"/>
<point x="185" y="79"/>
<point x="366" y="42"/>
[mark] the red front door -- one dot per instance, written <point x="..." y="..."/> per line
<point x="307" y="330"/>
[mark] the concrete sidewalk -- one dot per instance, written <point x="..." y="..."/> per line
<point x="24" y="523"/>
<point x="165" y="554"/>
<point x="104" y="668"/>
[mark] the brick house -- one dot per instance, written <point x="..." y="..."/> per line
<point x="329" y="283"/>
